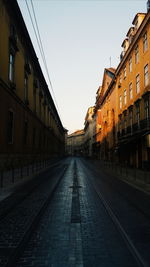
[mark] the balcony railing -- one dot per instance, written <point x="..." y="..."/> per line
<point x="136" y="128"/>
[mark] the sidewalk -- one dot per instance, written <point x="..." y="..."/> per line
<point x="135" y="177"/>
<point x="14" y="178"/>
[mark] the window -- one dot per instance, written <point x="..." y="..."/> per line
<point x="40" y="139"/>
<point x="40" y="105"/>
<point x="130" y="64"/>
<point x="35" y="86"/>
<point x="25" y="132"/>
<point x="125" y="125"/>
<point x="120" y="101"/>
<point x="120" y="124"/>
<point x="138" y="84"/>
<point x="136" y="25"/>
<point x="146" y="109"/>
<point x="44" y="111"/>
<point x="120" y="127"/>
<point x="34" y="98"/>
<point x="145" y="42"/>
<point x="146" y="76"/>
<point x="12" y="30"/>
<point x="120" y="78"/>
<point x="130" y="91"/>
<point x="138" y="114"/>
<point x="125" y="73"/>
<point x="11" y="66"/>
<point x="131" y="118"/>
<point x="10" y="130"/>
<point x="34" y="137"/>
<point x="137" y="54"/>
<point x="125" y="96"/>
<point x="26" y="88"/>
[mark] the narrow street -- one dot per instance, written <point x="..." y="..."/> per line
<point x="76" y="215"/>
<point x="74" y="133"/>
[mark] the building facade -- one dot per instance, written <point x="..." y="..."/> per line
<point x="30" y="127"/>
<point x="75" y="142"/>
<point x="89" y="129"/>
<point x="122" y="106"/>
<point x="133" y="95"/>
<point x="105" y="109"/>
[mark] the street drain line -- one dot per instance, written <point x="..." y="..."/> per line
<point x="75" y="210"/>
<point x="75" y="255"/>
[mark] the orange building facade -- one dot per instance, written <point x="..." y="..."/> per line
<point x="123" y="101"/>
<point x="105" y="109"/>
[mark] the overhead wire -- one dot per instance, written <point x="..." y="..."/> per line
<point x="40" y="45"/>
<point x="33" y="26"/>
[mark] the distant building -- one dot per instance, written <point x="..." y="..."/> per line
<point x="30" y="127"/>
<point x="105" y="109"/>
<point x="75" y="143"/>
<point x="89" y="129"/>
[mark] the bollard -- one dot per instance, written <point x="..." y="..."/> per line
<point x="13" y="175"/>
<point x="135" y="174"/>
<point x="28" y="170"/>
<point x="32" y="167"/>
<point x="21" y="174"/>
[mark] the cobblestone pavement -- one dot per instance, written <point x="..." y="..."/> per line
<point x="129" y="205"/>
<point x="16" y="225"/>
<point x="76" y="229"/>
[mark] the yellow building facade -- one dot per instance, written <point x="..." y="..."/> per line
<point x="133" y="95"/>
<point x="30" y="126"/>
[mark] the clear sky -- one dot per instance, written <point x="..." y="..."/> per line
<point x="79" y="37"/>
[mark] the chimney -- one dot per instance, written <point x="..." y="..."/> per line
<point x="148" y="6"/>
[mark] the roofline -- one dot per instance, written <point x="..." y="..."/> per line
<point x="137" y="16"/>
<point x="14" y="10"/>
<point x="107" y="69"/>
<point x="132" y="27"/>
<point x="136" y="36"/>
<point x="126" y="39"/>
<point x="108" y="90"/>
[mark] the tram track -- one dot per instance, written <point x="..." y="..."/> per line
<point x="12" y="244"/>
<point x="141" y="262"/>
<point x="22" y="192"/>
<point x="135" y="253"/>
<point x="128" y="193"/>
<point x="79" y="218"/>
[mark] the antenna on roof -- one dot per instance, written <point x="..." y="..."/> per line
<point x="148" y="6"/>
<point x="110" y="61"/>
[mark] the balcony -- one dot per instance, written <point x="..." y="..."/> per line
<point x="135" y="129"/>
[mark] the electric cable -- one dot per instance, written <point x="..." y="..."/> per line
<point x="40" y="45"/>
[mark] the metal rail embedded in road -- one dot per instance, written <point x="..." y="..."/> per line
<point x="129" y="243"/>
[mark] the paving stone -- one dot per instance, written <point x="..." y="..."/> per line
<point x="76" y="229"/>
